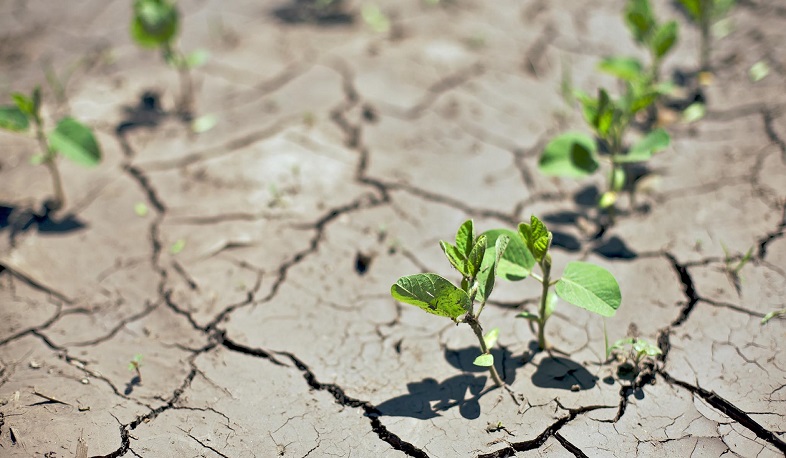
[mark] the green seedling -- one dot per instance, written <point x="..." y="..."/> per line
<point x="134" y="366"/>
<point x="634" y="353"/>
<point x="705" y="13"/>
<point x="575" y="154"/>
<point x="69" y="138"/>
<point x="155" y="25"/>
<point x="375" y="18"/>
<point x="773" y="314"/>
<point x="732" y="270"/>
<point x="582" y="284"/>
<point x="477" y="259"/>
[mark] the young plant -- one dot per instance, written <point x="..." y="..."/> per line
<point x="773" y="314"/>
<point x="69" y="138"/>
<point x="135" y="366"/>
<point x="634" y="354"/>
<point x="575" y="154"/>
<point x="732" y="270"/>
<point x="155" y="26"/>
<point x="705" y="13"/>
<point x="582" y="284"/>
<point x="477" y="259"/>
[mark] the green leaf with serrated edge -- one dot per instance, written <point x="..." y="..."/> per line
<point x="516" y="262"/>
<point x="76" y="142"/>
<point x="528" y="316"/>
<point x="557" y="157"/>
<point x="664" y="38"/>
<point x="491" y="338"/>
<point x="641" y="151"/>
<point x="488" y="268"/>
<point x="433" y="294"/>
<point x="624" y="68"/>
<point x="475" y="258"/>
<point x="590" y="287"/>
<point x="617" y="179"/>
<point x="155" y="23"/>
<point x="14" y="119"/>
<point x="456" y="258"/>
<point x="536" y="236"/>
<point x="485" y="360"/>
<point x="465" y="237"/>
<point x="693" y="7"/>
<point x="639" y="19"/>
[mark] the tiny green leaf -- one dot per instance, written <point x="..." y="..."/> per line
<point x="536" y="236"/>
<point x="551" y="304"/>
<point x="13" y="118"/>
<point x="37" y="159"/>
<point x="491" y="338"/>
<point x="528" y="316"/>
<point x="605" y="115"/>
<point x="607" y="199"/>
<point x="488" y="270"/>
<point x="693" y="7"/>
<point x="433" y="294"/>
<point x="197" y="58"/>
<point x="75" y="141"/>
<point x="759" y="71"/>
<point x="641" y="151"/>
<point x="624" y="68"/>
<point x="772" y="315"/>
<point x="456" y="258"/>
<point x="516" y="262"/>
<point x="178" y="246"/>
<point x="694" y="112"/>
<point x="617" y="179"/>
<point x="204" y="123"/>
<point x="475" y="258"/>
<point x="590" y="287"/>
<point x="155" y="23"/>
<point x="569" y="155"/>
<point x="25" y="104"/>
<point x="484" y="360"/>
<point x="375" y="18"/>
<point x="465" y="237"/>
<point x="664" y="38"/>
<point x="140" y="209"/>
<point x="639" y="18"/>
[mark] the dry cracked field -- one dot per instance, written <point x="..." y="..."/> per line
<point x="256" y="286"/>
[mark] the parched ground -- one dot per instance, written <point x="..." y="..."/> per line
<point x="341" y="156"/>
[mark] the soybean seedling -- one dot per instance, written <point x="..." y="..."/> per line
<point x="155" y="25"/>
<point x="476" y="258"/>
<point x="134" y="366"/>
<point x="582" y="284"/>
<point x="705" y="13"/>
<point x="69" y="138"/>
<point x="732" y="270"/>
<point x="575" y="154"/>
<point x="773" y="314"/>
<point x="635" y="354"/>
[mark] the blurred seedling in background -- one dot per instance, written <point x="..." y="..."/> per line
<point x="774" y="314"/>
<point x="634" y="355"/>
<point x="706" y="14"/>
<point x="582" y="284"/>
<point x="69" y="138"/>
<point x="732" y="270"/>
<point x="576" y="154"/>
<point x="155" y="25"/>
<point x="477" y="259"/>
<point x="135" y="366"/>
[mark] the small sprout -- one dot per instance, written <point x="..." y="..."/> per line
<point x="69" y="138"/>
<point x="634" y="354"/>
<point x="758" y="71"/>
<point x="706" y="13"/>
<point x="773" y="314"/>
<point x="694" y="112"/>
<point x="134" y="366"/>
<point x="141" y="210"/>
<point x="178" y="246"/>
<point x="732" y="270"/>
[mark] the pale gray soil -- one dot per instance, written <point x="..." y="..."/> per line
<point x="263" y="337"/>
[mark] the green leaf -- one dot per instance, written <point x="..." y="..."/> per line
<point x="197" y="58"/>
<point x="433" y="294"/>
<point x="772" y="315"/>
<point x="639" y="19"/>
<point x="75" y="141"/>
<point x="155" y="23"/>
<point x="551" y="304"/>
<point x="485" y="360"/>
<point x="528" y="316"/>
<point x="491" y="338"/>
<point x="204" y="123"/>
<point x="375" y="18"/>
<point x="13" y="118"/>
<point x="607" y="199"/>
<point x="758" y="71"/>
<point x="24" y="103"/>
<point x="605" y="115"/>
<point x="641" y="151"/>
<point x="178" y="246"/>
<point x="140" y="209"/>
<point x="590" y="287"/>
<point x="624" y="68"/>
<point x="516" y="262"/>
<point x="475" y="258"/>
<point x="617" y="179"/>
<point x="488" y="269"/>
<point x="569" y="155"/>
<point x="664" y="38"/>
<point x="694" y="112"/>
<point x="456" y="258"/>
<point x="536" y="236"/>
<point x="693" y="7"/>
<point x="465" y="236"/>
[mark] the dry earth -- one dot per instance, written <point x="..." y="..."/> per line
<point x="340" y="158"/>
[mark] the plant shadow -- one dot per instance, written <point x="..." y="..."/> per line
<point x="135" y="381"/>
<point x="146" y="113"/>
<point x="322" y="13"/>
<point x="562" y="374"/>
<point x="21" y="219"/>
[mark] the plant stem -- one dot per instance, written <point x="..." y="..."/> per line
<point x="704" y="23"/>
<point x="544" y="297"/>
<point x="475" y="325"/>
<point x="184" y="102"/>
<point x="49" y="161"/>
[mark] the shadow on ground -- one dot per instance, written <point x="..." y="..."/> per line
<point x="18" y="220"/>
<point x="562" y="374"/>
